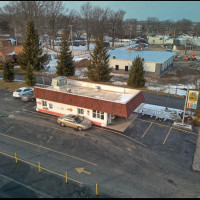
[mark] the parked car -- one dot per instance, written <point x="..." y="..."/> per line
<point x="19" y="92"/>
<point x="28" y="96"/>
<point x="74" y="121"/>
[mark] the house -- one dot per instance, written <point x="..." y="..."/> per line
<point x="10" y="53"/>
<point x="155" y="63"/>
<point x="5" y="42"/>
<point x="97" y="102"/>
<point x="159" y="40"/>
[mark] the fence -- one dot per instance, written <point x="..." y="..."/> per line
<point x="154" y="113"/>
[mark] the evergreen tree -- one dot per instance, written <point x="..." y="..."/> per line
<point x="32" y="50"/>
<point x="30" y="78"/>
<point x="65" y="65"/>
<point x="8" y="72"/>
<point x="136" y="74"/>
<point x="98" y="69"/>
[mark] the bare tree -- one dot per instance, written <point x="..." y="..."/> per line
<point x="130" y="28"/>
<point x="86" y="12"/>
<point x="196" y="29"/>
<point x="153" y="25"/>
<point x="167" y="27"/>
<point x="115" y="22"/>
<point x="55" y="11"/>
<point x="20" y="12"/>
<point x="5" y="23"/>
<point x="99" y="21"/>
<point x="70" y="18"/>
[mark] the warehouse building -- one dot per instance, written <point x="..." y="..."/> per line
<point x="97" y="102"/>
<point x="155" y="63"/>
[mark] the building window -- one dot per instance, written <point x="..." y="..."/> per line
<point x="94" y="113"/>
<point x="126" y="68"/>
<point x="98" y="114"/>
<point x="51" y="105"/>
<point x="116" y="67"/>
<point x="80" y="111"/>
<point x="44" y="103"/>
<point x="102" y="115"/>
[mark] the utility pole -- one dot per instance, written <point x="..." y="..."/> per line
<point x="130" y="33"/>
<point x="71" y="39"/>
<point x="15" y="37"/>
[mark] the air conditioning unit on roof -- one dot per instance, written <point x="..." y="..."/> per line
<point x="59" y="82"/>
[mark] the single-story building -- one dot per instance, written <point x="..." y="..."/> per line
<point x="97" y="102"/>
<point x="10" y="53"/>
<point x="155" y="63"/>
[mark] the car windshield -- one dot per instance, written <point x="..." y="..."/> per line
<point x="78" y="120"/>
<point x="18" y="90"/>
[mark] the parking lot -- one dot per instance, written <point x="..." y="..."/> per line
<point x="176" y="144"/>
<point x="143" y="151"/>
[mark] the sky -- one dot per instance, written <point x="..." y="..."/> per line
<point x="140" y="10"/>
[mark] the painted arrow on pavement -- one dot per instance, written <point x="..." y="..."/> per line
<point x="80" y="170"/>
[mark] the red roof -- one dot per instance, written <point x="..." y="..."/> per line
<point x="119" y="109"/>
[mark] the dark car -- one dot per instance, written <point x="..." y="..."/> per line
<point x="28" y="96"/>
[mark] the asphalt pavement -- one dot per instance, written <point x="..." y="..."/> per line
<point x="151" y="159"/>
<point x="24" y="181"/>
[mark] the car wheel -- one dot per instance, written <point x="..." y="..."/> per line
<point x="80" y="128"/>
<point x="62" y="124"/>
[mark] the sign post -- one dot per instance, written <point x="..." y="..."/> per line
<point x="185" y="106"/>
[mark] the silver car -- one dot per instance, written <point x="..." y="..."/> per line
<point x="74" y="121"/>
<point x="19" y="92"/>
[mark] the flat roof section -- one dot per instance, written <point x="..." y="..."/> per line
<point x="95" y="93"/>
<point x="149" y="56"/>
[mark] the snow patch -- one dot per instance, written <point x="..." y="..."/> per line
<point x="179" y="89"/>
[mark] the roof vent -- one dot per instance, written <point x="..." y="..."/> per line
<point x="69" y="90"/>
<point x="98" y="87"/>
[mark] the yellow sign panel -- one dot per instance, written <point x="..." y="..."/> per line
<point x="192" y="99"/>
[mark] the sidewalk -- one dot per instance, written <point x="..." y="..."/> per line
<point x="121" y="124"/>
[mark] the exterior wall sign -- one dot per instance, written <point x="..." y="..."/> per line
<point x="192" y="99"/>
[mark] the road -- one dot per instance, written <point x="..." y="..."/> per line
<point x="157" y="165"/>
<point x="155" y="99"/>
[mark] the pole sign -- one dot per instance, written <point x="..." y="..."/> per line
<point x="192" y="99"/>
